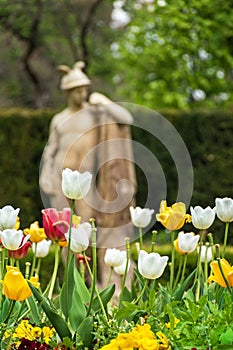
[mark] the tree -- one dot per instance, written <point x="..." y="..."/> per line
<point x="180" y="53"/>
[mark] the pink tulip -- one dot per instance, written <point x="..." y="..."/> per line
<point x="56" y="223"/>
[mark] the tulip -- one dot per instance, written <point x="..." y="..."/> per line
<point x="15" y="287"/>
<point x="217" y="276"/>
<point x="174" y="217"/>
<point x="21" y="252"/>
<point x="141" y="217"/>
<point x="114" y="257"/>
<point x="224" y="209"/>
<point x="202" y="218"/>
<point x="151" y="265"/>
<point x="186" y="242"/>
<point x="206" y="254"/>
<point x="79" y="238"/>
<point x="13" y="239"/>
<point x="74" y="184"/>
<point x="8" y="217"/>
<point x="120" y="270"/>
<point x="56" y="223"/>
<point x="37" y="234"/>
<point x="42" y="248"/>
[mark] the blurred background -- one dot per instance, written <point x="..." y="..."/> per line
<point x="174" y="57"/>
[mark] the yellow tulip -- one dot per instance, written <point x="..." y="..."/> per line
<point x="216" y="275"/>
<point x="174" y="217"/>
<point x="15" y="287"/>
<point x="36" y="233"/>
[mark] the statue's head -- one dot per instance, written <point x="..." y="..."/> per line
<point x="73" y="77"/>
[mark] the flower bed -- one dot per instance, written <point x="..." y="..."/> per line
<point x="193" y="311"/>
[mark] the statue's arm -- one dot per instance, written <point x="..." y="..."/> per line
<point x="47" y="164"/>
<point x="118" y="113"/>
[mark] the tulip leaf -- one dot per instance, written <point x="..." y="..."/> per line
<point x="85" y="332"/>
<point x="105" y="296"/>
<point x="180" y="289"/>
<point x="34" y="310"/>
<point x="56" y="320"/>
<point x="81" y="287"/>
<point x="4" y="309"/>
<point x="67" y="290"/>
<point x="78" y="311"/>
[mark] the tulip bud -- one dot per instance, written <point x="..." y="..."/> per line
<point x="187" y="242"/>
<point x="79" y="239"/>
<point x="41" y="248"/>
<point x="120" y="270"/>
<point x="74" y="184"/>
<point x="13" y="239"/>
<point x="202" y="218"/>
<point x="141" y="217"/>
<point x="15" y="287"/>
<point x="8" y="217"/>
<point x="206" y="253"/>
<point x="151" y="265"/>
<point x="224" y="209"/>
<point x="114" y="257"/>
<point x="36" y="233"/>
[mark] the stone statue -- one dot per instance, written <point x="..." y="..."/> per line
<point x="92" y="134"/>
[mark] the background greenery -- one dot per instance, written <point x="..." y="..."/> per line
<point x="150" y="52"/>
<point x="207" y="135"/>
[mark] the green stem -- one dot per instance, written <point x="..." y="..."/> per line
<point x="184" y="267"/>
<point x="142" y="292"/>
<point x="69" y="241"/>
<point x="140" y="238"/>
<point x="126" y="268"/>
<point x="154" y="233"/>
<point x="225" y="239"/>
<point x="55" y="269"/>
<point x="109" y="276"/>
<point x="94" y="273"/>
<point x="179" y="271"/>
<point x="33" y="261"/>
<point x="173" y="260"/>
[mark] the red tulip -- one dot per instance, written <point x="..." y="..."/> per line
<point x="56" y="223"/>
<point x="21" y="252"/>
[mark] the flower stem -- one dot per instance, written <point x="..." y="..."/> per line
<point x="225" y="239"/>
<point x="142" y="292"/>
<point x="55" y="269"/>
<point x="184" y="267"/>
<point x="94" y="273"/>
<point x="140" y="237"/>
<point x="109" y="276"/>
<point x="173" y="260"/>
<point x="154" y="233"/>
<point x="126" y="268"/>
<point x="33" y="261"/>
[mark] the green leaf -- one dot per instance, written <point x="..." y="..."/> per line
<point x="85" y="332"/>
<point x="78" y="311"/>
<point x="4" y="309"/>
<point x="105" y="296"/>
<point x="81" y="287"/>
<point x="34" y="311"/>
<point x="67" y="290"/>
<point x="227" y="337"/>
<point x="56" y="320"/>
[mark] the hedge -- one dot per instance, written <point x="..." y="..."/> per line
<point x="207" y="135"/>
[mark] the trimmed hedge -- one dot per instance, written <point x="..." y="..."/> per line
<point x="207" y="135"/>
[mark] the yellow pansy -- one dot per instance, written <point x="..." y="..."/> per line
<point x="174" y="217"/>
<point x="15" y="287"/>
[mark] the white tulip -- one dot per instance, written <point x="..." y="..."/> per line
<point x="141" y="217"/>
<point x="41" y="248"/>
<point x="13" y="239"/>
<point x="224" y="209"/>
<point x="120" y="270"/>
<point x="8" y="217"/>
<point x="206" y="253"/>
<point x="151" y="265"/>
<point x="202" y="218"/>
<point x="74" y="184"/>
<point x="114" y="257"/>
<point x="187" y="242"/>
<point x="79" y="239"/>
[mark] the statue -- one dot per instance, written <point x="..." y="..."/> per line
<point x="92" y="134"/>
